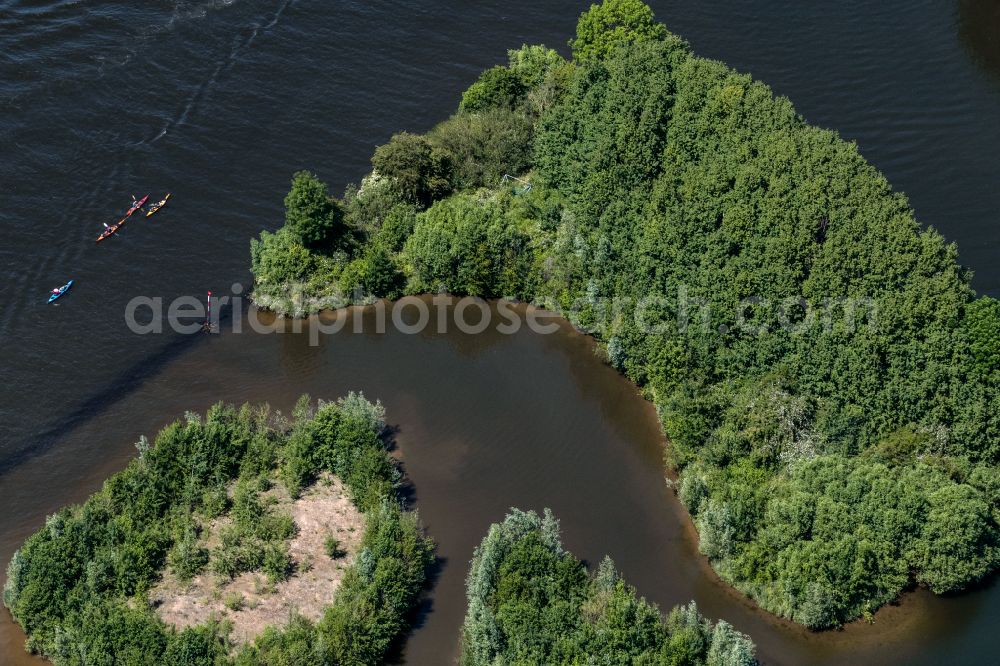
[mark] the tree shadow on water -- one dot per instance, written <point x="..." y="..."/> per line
<point x="978" y="23"/>
<point x="405" y="491"/>
<point x="419" y="614"/>
<point x="407" y="494"/>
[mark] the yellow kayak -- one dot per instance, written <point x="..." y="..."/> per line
<point x="158" y="205"/>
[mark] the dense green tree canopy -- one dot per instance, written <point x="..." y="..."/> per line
<point x="419" y="172"/>
<point x="469" y="246"/>
<point x="79" y="585"/>
<point x="691" y="184"/>
<point x="497" y="86"/>
<point x="485" y="146"/>
<point x="826" y="375"/>
<point x="279" y="257"/>
<point x="532" y="64"/>
<point x="531" y="602"/>
<point x="613" y="24"/>
<point x="311" y="214"/>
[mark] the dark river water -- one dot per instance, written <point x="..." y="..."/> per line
<point x="219" y="102"/>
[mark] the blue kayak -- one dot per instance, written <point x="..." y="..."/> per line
<point x="62" y="290"/>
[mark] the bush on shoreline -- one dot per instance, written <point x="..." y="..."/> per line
<point x="78" y="586"/>
<point x="484" y="141"/>
<point x="531" y="602"/>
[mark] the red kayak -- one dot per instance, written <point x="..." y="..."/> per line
<point x="136" y="206"/>
<point x="110" y="231"/>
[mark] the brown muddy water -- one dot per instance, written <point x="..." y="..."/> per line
<point x="482" y="423"/>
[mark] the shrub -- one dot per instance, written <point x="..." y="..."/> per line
<point x="419" y="173"/>
<point x="532" y="64"/>
<point x="483" y="147"/>
<point x="187" y="557"/>
<point x="214" y="502"/>
<point x="373" y="274"/>
<point x="396" y="228"/>
<point x="279" y="259"/>
<point x="611" y="25"/>
<point x="693" y="491"/>
<point x="235" y="601"/>
<point x="277" y="563"/>
<point x="496" y="87"/>
<point x="312" y="216"/>
<point x="469" y="247"/>
<point x="332" y="547"/>
<point x="530" y="601"/>
<point x="369" y="207"/>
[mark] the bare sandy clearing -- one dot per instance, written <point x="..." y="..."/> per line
<point x="321" y="510"/>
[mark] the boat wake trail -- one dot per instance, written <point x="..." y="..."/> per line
<point x="270" y="24"/>
<point x="191" y="103"/>
<point x="184" y="12"/>
<point x="239" y="46"/>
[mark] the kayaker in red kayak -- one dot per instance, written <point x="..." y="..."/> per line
<point x="136" y="204"/>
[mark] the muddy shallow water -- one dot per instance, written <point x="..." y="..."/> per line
<point x="482" y="423"/>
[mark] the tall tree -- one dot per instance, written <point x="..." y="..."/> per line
<point x="419" y="172"/>
<point x="497" y="86"/>
<point x="611" y="24"/>
<point x="312" y="215"/>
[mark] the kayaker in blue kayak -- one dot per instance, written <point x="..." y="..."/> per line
<point x="59" y="291"/>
